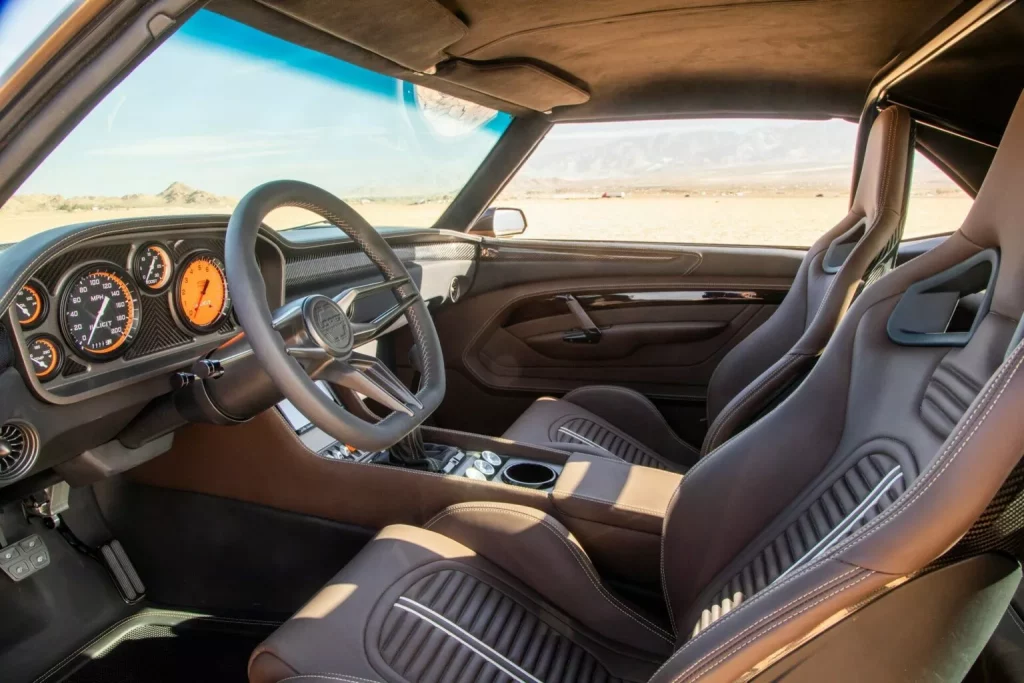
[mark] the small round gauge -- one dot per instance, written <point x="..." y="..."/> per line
<point x="30" y="305"/>
<point x="44" y="357"/>
<point x="153" y="267"/>
<point x="202" y="295"/>
<point x="100" y="311"/>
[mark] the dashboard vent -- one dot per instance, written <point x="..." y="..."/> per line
<point x="17" y="450"/>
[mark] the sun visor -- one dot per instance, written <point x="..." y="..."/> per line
<point x="520" y="83"/>
<point x="411" y="33"/>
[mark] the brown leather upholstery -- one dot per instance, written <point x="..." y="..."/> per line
<point x="776" y="355"/>
<point x="860" y="479"/>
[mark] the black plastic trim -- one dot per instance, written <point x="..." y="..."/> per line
<point x="909" y="309"/>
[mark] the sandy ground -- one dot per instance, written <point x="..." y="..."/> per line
<point x="777" y="221"/>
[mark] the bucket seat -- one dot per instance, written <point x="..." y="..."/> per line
<point x="861" y="247"/>
<point x="884" y="458"/>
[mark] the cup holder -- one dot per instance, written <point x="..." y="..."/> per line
<point x="532" y="475"/>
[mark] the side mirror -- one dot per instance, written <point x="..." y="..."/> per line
<point x="498" y="222"/>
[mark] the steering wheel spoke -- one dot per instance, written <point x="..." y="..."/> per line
<point x="367" y="332"/>
<point x="368" y="376"/>
<point x="347" y="299"/>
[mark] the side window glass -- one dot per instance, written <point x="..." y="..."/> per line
<point x="937" y="205"/>
<point x="758" y="182"/>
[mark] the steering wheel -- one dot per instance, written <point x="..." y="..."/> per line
<point x="314" y="338"/>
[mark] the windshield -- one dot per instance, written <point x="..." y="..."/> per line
<point x="221" y="108"/>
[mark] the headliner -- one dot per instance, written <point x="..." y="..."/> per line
<point x="626" y="58"/>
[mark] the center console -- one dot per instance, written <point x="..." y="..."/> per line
<point x="490" y="462"/>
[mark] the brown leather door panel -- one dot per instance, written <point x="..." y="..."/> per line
<point x="663" y="349"/>
<point x="619" y="342"/>
<point x="667" y="315"/>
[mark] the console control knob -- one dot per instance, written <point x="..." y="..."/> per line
<point x="491" y="457"/>
<point x="475" y="474"/>
<point x="484" y="467"/>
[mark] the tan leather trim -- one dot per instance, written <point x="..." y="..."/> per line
<point x="19" y="80"/>
<point x="615" y="493"/>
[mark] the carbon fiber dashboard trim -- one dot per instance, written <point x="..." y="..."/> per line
<point x="324" y="266"/>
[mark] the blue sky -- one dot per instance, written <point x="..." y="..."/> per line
<point x="223" y="107"/>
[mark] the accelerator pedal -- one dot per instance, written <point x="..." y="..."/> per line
<point x="123" y="571"/>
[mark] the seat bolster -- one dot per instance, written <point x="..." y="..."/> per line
<point x="539" y="551"/>
<point x="541" y="422"/>
<point x="631" y="411"/>
<point x="745" y="406"/>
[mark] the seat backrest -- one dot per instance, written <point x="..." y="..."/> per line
<point x="860" y="248"/>
<point x="876" y="465"/>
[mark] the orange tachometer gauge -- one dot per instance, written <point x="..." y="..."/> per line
<point x="30" y="305"/>
<point x="44" y="357"/>
<point x="100" y="311"/>
<point x="203" y="298"/>
<point x="153" y="267"/>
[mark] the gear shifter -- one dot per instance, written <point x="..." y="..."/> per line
<point x="410" y="452"/>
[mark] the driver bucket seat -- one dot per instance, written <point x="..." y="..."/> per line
<point x="900" y="447"/>
<point x="612" y="420"/>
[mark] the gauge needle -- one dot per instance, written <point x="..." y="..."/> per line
<point x="41" y="363"/>
<point x="206" y="285"/>
<point x="24" y="309"/>
<point x="99" y="317"/>
<point x="150" y="271"/>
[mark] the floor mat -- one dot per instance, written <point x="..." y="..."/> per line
<point x="158" y="646"/>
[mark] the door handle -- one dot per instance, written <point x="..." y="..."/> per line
<point x="588" y="333"/>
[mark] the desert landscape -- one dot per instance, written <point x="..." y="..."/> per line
<point x="770" y="184"/>
<point x="723" y="216"/>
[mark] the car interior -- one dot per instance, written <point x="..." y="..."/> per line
<point x="441" y="444"/>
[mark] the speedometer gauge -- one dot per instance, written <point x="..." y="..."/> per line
<point x="153" y="267"/>
<point x="100" y="312"/>
<point x="203" y="298"/>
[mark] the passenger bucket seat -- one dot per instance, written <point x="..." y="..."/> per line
<point x="617" y="421"/>
<point x="902" y="443"/>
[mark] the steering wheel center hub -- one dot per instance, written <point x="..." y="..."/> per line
<point x="328" y="326"/>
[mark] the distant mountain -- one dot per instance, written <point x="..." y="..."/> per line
<point x="175" y="194"/>
<point x="761" y="155"/>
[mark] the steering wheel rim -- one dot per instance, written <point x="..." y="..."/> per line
<point x="325" y="347"/>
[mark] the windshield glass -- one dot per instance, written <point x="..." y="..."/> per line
<point x="221" y="108"/>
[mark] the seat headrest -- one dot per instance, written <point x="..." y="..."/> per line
<point x="997" y="217"/>
<point x="883" y="175"/>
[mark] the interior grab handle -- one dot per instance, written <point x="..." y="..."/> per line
<point x="589" y="332"/>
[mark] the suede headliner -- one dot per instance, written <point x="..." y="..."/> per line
<point x="639" y="58"/>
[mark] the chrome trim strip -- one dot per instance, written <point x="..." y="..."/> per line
<point x="844" y="527"/>
<point x="583" y="440"/>
<point x="453" y="630"/>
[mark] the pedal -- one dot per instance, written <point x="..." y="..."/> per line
<point x="121" y="568"/>
<point x="23" y="559"/>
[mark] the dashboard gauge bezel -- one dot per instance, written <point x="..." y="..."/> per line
<point x="59" y="354"/>
<point x="133" y="330"/>
<point x="140" y="281"/>
<point x="44" y="304"/>
<point x="179" y="308"/>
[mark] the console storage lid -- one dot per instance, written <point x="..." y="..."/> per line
<point x="615" y="493"/>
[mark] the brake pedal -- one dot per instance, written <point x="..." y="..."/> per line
<point x="121" y="568"/>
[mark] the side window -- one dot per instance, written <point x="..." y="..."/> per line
<point x="699" y="181"/>
<point x="937" y="205"/>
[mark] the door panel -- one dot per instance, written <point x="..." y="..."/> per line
<point x="666" y="315"/>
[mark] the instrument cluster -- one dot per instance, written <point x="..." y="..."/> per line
<point x="99" y="305"/>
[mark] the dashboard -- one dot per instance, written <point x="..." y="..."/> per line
<point x="103" y="316"/>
